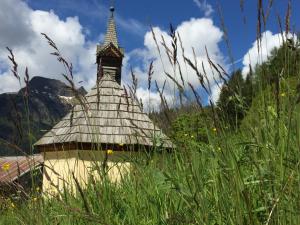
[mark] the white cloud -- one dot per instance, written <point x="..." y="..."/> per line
<point x="151" y="100"/>
<point x="254" y="57"/>
<point x="20" y="30"/>
<point x="204" y="7"/>
<point x="216" y="91"/>
<point x="21" y="26"/>
<point x="196" y="33"/>
<point x="8" y="83"/>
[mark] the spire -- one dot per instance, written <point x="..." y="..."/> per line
<point x="111" y="34"/>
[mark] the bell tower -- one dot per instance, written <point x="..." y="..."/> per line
<point x="109" y="54"/>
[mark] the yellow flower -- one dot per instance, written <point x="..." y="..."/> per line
<point x="214" y="129"/>
<point x="6" y="166"/>
<point x="109" y="152"/>
<point x="282" y="94"/>
<point x="219" y="149"/>
<point x="34" y="199"/>
<point x="12" y="205"/>
<point x="192" y="136"/>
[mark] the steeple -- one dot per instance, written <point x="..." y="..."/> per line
<point x="109" y="54"/>
<point x="111" y="33"/>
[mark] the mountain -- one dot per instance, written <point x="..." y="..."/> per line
<point x="23" y="122"/>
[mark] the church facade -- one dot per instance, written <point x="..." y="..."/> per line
<point x="102" y="132"/>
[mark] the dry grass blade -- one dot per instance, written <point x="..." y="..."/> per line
<point x="77" y="95"/>
<point x="155" y="40"/>
<point x="13" y="146"/>
<point x="60" y="58"/>
<point x="47" y="176"/>
<point x="195" y="57"/>
<point x="289" y="180"/>
<point x="242" y="7"/>
<point x="199" y="75"/>
<point x="182" y="50"/>
<point x="167" y="50"/>
<point x="160" y="92"/>
<point x="180" y="73"/>
<point x="133" y="96"/>
<point x="270" y="4"/>
<point x="223" y="71"/>
<point x="127" y="97"/>
<point x="72" y="117"/>
<point x="206" y="77"/>
<point x="174" y="43"/>
<point x="216" y="68"/>
<point x="280" y="26"/>
<point x="99" y="75"/>
<point x="50" y="41"/>
<point x="163" y="100"/>
<point x="225" y="35"/>
<point x="150" y="73"/>
<point x="259" y="29"/>
<point x="134" y="81"/>
<point x="288" y="19"/>
<point x="180" y="88"/>
<point x="198" y="99"/>
<point x="142" y="105"/>
<point x="85" y="202"/>
<point x="242" y="4"/>
<point x="69" y="73"/>
<point x="181" y="44"/>
<point x="157" y="46"/>
<point x="16" y="118"/>
<point x="215" y="119"/>
<point x="26" y="80"/>
<point x="14" y="70"/>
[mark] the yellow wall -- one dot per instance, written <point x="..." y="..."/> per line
<point x="59" y="167"/>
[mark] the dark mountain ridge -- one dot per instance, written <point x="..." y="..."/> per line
<point x="23" y="122"/>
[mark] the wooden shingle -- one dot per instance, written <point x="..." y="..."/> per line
<point x="109" y="116"/>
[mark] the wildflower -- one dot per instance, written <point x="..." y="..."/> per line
<point x="185" y="135"/>
<point x="12" y="205"/>
<point x="214" y="129"/>
<point x="37" y="189"/>
<point x="6" y="167"/>
<point x="109" y="152"/>
<point x="192" y="136"/>
<point x="219" y="149"/>
<point x="34" y="199"/>
<point x="282" y="94"/>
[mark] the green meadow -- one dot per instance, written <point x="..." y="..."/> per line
<point x="236" y="160"/>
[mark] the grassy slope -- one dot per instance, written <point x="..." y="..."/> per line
<point x="248" y="177"/>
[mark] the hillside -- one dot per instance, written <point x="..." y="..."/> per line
<point x="49" y="100"/>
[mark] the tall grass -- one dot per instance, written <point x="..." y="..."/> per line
<point x="249" y="176"/>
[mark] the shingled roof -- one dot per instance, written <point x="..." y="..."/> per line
<point x="110" y="115"/>
<point x="111" y="34"/>
<point x="12" y="168"/>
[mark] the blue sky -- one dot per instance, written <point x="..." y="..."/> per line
<point x="77" y="26"/>
<point x="93" y="16"/>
